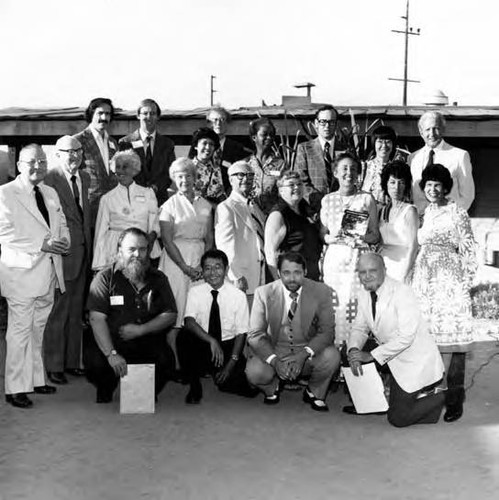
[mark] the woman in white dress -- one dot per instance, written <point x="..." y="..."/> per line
<point x="186" y="223"/>
<point x="127" y="205"/>
<point x="398" y="222"/>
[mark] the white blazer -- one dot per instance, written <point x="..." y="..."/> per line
<point x="402" y="334"/>
<point x="24" y="269"/>
<point x="236" y="236"/>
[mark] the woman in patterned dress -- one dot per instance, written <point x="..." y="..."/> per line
<point x="443" y="274"/>
<point x="398" y="222"/>
<point x="385" y="141"/>
<point x="209" y="182"/>
<point x="342" y="249"/>
<point x="265" y="163"/>
<point x="186" y="223"/>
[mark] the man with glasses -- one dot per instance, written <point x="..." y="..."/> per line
<point x="64" y="330"/>
<point x="156" y="151"/>
<point x="33" y="238"/>
<point x="239" y="229"/>
<point x="314" y="158"/>
<point x="230" y="150"/>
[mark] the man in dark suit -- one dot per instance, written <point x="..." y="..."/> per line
<point x="157" y="152"/>
<point x="64" y="329"/>
<point x="230" y="150"/>
<point x="314" y="158"/>
<point x="292" y="333"/>
<point x="98" y="149"/>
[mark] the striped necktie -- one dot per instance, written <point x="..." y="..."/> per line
<point x="293" y="306"/>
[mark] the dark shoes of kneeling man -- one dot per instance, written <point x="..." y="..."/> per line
<point x="308" y="397"/>
<point x="21" y="399"/>
<point x="195" y="394"/>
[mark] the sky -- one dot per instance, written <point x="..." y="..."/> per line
<point x="63" y="53"/>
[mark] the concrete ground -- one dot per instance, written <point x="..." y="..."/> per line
<point x="67" y="447"/>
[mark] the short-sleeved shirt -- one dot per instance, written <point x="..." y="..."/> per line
<point x="113" y="295"/>
<point x="233" y="305"/>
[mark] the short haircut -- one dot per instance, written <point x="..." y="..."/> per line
<point x="149" y="102"/>
<point x="286" y="176"/>
<point x="131" y="230"/>
<point x="345" y="155"/>
<point x="399" y="170"/>
<point x="256" y="125"/>
<point x="437" y="173"/>
<point x="203" y="133"/>
<point x="327" y="107"/>
<point x="214" y="253"/>
<point x="439" y="117"/>
<point x="182" y="163"/>
<point x="28" y="147"/>
<point x="97" y="103"/>
<point x="373" y="255"/>
<point x="295" y="257"/>
<point x="127" y="157"/>
<point x="220" y="110"/>
<point x="384" y="132"/>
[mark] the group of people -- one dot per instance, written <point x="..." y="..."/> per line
<point x="232" y="263"/>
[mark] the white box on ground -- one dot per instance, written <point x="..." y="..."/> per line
<point x="137" y="389"/>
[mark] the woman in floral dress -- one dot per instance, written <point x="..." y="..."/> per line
<point x="342" y="249"/>
<point x="443" y="274"/>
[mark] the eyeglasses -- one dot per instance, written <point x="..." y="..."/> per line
<point x="293" y="185"/>
<point x="242" y="175"/>
<point x="323" y="123"/>
<point x="32" y="163"/>
<point x="216" y="120"/>
<point x="72" y="151"/>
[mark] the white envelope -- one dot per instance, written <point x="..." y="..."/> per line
<point x="137" y="389"/>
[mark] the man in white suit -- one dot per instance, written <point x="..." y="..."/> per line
<point x="239" y="226"/>
<point x="389" y="309"/>
<point x="436" y="150"/>
<point x="33" y="236"/>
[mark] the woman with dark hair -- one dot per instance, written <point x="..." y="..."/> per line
<point x="290" y="227"/>
<point x="209" y="182"/>
<point x="384" y="141"/>
<point x="443" y="274"/>
<point x="265" y="163"/>
<point x="350" y="225"/>
<point x="398" y="222"/>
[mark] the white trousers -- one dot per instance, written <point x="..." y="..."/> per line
<point x="27" y="317"/>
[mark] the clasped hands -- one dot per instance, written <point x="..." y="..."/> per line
<point x="356" y="358"/>
<point x="59" y="246"/>
<point x="290" y="366"/>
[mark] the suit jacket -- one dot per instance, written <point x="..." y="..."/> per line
<point x="316" y="310"/>
<point x="24" y="269"/>
<point x="402" y="334"/>
<point x="233" y="151"/>
<point x="162" y="157"/>
<point x="457" y="161"/>
<point x="312" y="168"/>
<point x="235" y="234"/>
<point x="79" y="227"/>
<point x="100" y="180"/>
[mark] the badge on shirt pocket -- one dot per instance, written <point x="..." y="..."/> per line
<point x="117" y="300"/>
<point x="275" y="173"/>
<point x="137" y="144"/>
<point x="140" y="198"/>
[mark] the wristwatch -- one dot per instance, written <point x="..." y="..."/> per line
<point x="112" y="353"/>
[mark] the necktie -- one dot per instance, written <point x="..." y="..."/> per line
<point x="430" y="157"/>
<point x="214" y="323"/>
<point x="293" y="306"/>
<point x="148" y="162"/>
<point x="327" y="163"/>
<point x="76" y="193"/>
<point x="40" y="203"/>
<point x="374" y="299"/>
<point x="258" y="227"/>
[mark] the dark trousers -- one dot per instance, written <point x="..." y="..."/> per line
<point x="455" y="379"/>
<point x="195" y="359"/>
<point x="406" y="409"/>
<point x="152" y="349"/>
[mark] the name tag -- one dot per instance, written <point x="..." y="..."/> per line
<point x="275" y="173"/>
<point x="117" y="300"/>
<point x="137" y="144"/>
<point x="226" y="164"/>
<point x="111" y="145"/>
<point x="140" y="198"/>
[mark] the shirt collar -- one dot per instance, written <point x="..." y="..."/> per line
<point x="68" y="175"/>
<point x="438" y="147"/>
<point x="239" y="197"/>
<point x="323" y="141"/>
<point x="27" y="185"/>
<point x="144" y="135"/>
<point x="287" y="292"/>
<point x="97" y="135"/>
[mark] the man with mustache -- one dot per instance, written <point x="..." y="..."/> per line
<point x="292" y="333"/>
<point x="131" y="308"/>
<point x="156" y="151"/>
<point x="98" y="149"/>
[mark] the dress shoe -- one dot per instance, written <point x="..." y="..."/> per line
<point x="350" y="410"/>
<point x="453" y="412"/>
<point x="57" y="378"/>
<point x="273" y="399"/>
<point x="195" y="393"/>
<point x="75" y="372"/>
<point x="19" y="400"/>
<point x="45" y="389"/>
<point x="315" y="403"/>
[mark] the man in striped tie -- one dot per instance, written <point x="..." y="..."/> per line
<point x="292" y="333"/>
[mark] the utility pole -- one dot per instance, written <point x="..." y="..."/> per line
<point x="408" y="31"/>
<point x="212" y="90"/>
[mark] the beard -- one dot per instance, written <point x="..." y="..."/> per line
<point x="135" y="269"/>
